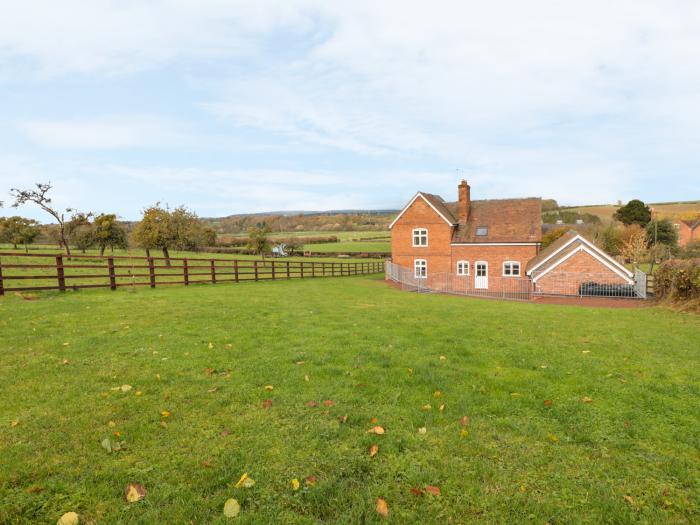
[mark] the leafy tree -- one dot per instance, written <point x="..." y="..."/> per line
<point x="40" y="197"/>
<point x="258" y="240"/>
<point x="635" y="246"/>
<point x="294" y="245"/>
<point x="109" y="233"/>
<point x="609" y="240"/>
<point x="691" y="251"/>
<point x="80" y="231"/>
<point x="18" y="230"/>
<point x="662" y="232"/>
<point x="634" y="212"/>
<point x="552" y="235"/>
<point x="154" y="231"/>
<point x="188" y="231"/>
<point x="549" y="205"/>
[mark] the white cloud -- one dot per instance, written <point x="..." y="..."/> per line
<point x="113" y="132"/>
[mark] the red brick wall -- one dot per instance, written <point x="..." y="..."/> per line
<point x="686" y="235"/>
<point x="495" y="256"/>
<point x="581" y="267"/>
<point x="437" y="253"/>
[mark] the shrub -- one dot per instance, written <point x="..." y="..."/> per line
<point x="678" y="280"/>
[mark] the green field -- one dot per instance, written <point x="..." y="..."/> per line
<point x="619" y="442"/>
<point x="350" y="247"/>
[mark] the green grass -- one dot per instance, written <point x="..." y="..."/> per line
<point x="375" y="352"/>
<point x="350" y="247"/>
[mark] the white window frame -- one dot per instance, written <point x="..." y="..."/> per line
<point x="512" y="264"/>
<point x="419" y="233"/>
<point x="462" y="266"/>
<point x="420" y="269"/>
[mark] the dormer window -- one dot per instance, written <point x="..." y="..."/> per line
<point x="420" y="237"/>
<point x="482" y="231"/>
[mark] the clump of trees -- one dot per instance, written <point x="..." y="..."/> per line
<point x="259" y="240"/>
<point x="163" y="229"/>
<point x="18" y="230"/>
<point x="634" y="212"/>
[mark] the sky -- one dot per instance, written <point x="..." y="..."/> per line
<point x="232" y="106"/>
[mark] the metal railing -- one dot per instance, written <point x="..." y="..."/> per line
<point x="520" y="288"/>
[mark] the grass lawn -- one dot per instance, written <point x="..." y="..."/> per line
<point x="199" y="360"/>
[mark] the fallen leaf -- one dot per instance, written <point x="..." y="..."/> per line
<point x="435" y="491"/>
<point x="548" y="402"/>
<point x="69" y="518"/>
<point x="300" y="362"/>
<point x="111" y="424"/>
<point x="134" y="492"/>
<point x="306" y="377"/>
<point x="310" y="481"/>
<point x="211" y="345"/>
<point x="35" y="489"/>
<point x="269" y="388"/>
<point x="553" y="438"/>
<point x="165" y="413"/>
<point x="213" y="389"/>
<point x="65" y="362"/>
<point x="66" y="344"/>
<point x="463" y="433"/>
<point x="416" y="491"/>
<point x="382" y="508"/>
<point x="228" y="345"/>
<point x="312" y="404"/>
<point x="246" y="481"/>
<point x="107" y="445"/>
<point x="464" y="421"/>
<point x="14" y="423"/>
<point x="372" y="450"/>
<point x="158" y="377"/>
<point x="163" y="424"/>
<point x="328" y="403"/>
<point x="585" y="351"/>
<point x="442" y="358"/>
<point x="207" y="464"/>
<point x="422" y="430"/>
<point x="426" y="408"/>
<point x="373" y="420"/>
<point x="521" y="489"/>
<point x="209" y="371"/>
<point x="225" y="433"/>
<point x="437" y="393"/>
<point x="125" y="388"/>
<point x="343" y="419"/>
<point x="295" y="484"/>
<point x="410" y="371"/>
<point x="267" y="404"/>
<point x="515" y="394"/>
<point x="586" y="399"/>
<point x="376" y="430"/>
<point x="231" y="508"/>
<point x="629" y="499"/>
<point x="138" y="393"/>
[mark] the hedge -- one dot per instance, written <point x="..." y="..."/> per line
<point x="678" y="280"/>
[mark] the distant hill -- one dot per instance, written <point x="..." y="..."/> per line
<point x="666" y="210"/>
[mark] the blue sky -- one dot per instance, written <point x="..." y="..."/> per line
<point x="232" y="107"/>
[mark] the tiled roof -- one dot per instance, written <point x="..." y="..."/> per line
<point x="549" y="250"/>
<point x="506" y="220"/>
<point x="692" y="223"/>
<point x="440" y="205"/>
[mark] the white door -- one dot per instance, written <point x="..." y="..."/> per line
<point x="481" y="275"/>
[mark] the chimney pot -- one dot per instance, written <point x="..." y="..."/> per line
<point x="464" y="203"/>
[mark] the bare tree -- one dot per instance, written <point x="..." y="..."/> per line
<point x="40" y="197"/>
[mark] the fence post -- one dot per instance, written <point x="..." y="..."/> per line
<point x="273" y="270"/>
<point x="235" y="270"/>
<point x="152" y="272"/>
<point x="112" y="277"/>
<point x="60" y="275"/>
<point x="213" y="271"/>
<point x="288" y="276"/>
<point x="302" y="269"/>
<point x="185" y="272"/>
<point x="2" y="286"/>
<point x="313" y="269"/>
<point x="255" y="267"/>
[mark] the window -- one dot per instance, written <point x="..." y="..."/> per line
<point x="420" y="237"/>
<point x="511" y="269"/>
<point x="462" y="267"/>
<point x="420" y="268"/>
<point x="482" y="231"/>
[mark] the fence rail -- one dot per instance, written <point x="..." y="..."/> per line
<point x="62" y="273"/>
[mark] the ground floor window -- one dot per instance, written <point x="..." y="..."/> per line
<point x="462" y="267"/>
<point x="511" y="269"/>
<point x="420" y="268"/>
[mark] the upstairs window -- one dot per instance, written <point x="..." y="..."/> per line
<point x="511" y="269"/>
<point x="462" y="267"/>
<point x="420" y="268"/>
<point x="482" y="231"/>
<point x="420" y="237"/>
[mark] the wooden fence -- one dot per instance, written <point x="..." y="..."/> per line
<point x="92" y="271"/>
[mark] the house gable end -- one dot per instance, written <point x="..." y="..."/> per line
<point x="431" y="201"/>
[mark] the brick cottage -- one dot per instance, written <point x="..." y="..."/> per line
<point x="495" y="244"/>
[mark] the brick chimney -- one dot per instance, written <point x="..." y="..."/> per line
<point x="464" y="202"/>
